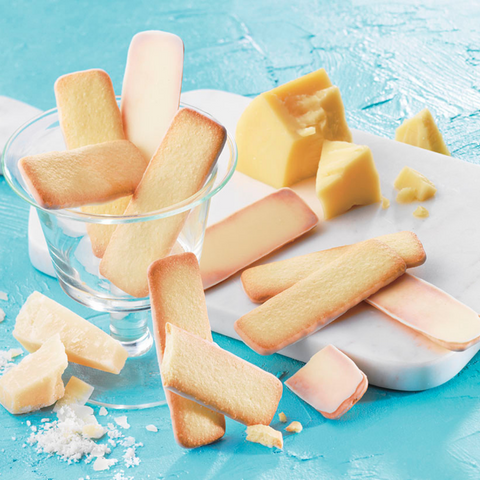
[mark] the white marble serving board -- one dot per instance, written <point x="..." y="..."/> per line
<point x="390" y="354"/>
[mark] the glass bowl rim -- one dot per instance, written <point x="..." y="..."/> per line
<point x="202" y="195"/>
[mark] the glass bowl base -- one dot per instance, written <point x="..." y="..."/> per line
<point x="138" y="386"/>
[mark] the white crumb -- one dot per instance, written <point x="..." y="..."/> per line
<point x="4" y="296"/>
<point x="103" y="412"/>
<point x="102" y="463"/>
<point x="151" y="428"/>
<point x="28" y="423"/>
<point x="120" y="476"/>
<point x="2" y="315"/>
<point x="6" y="357"/>
<point x="122" y="422"/>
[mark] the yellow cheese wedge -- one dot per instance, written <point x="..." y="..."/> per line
<point x="422" y="131"/>
<point x="253" y="232"/>
<point x="413" y="186"/>
<point x="430" y="311"/>
<point x="330" y="382"/>
<point x="36" y="382"/>
<point x="421" y="212"/>
<point x="281" y="133"/>
<point x="265" y="435"/>
<point x="76" y="392"/>
<point x="41" y="317"/>
<point x="346" y="177"/>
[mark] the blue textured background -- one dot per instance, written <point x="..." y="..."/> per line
<point x="390" y="60"/>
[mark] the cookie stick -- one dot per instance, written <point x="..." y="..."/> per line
<point x="177" y="297"/>
<point x="317" y="300"/>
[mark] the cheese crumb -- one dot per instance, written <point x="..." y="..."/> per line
<point x="282" y="417"/>
<point x="151" y="428"/>
<point x="385" y="202"/>
<point x="306" y="132"/>
<point x="103" y="412"/>
<point x="265" y="435"/>
<point x="4" y="296"/>
<point x="6" y="357"/>
<point x="102" y="463"/>
<point x="295" y="427"/>
<point x="2" y="315"/>
<point x="421" y="212"/>
<point x="122" y="422"/>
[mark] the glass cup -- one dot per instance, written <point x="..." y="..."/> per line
<point x="124" y="317"/>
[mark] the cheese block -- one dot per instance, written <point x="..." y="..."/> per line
<point x="253" y="232"/>
<point x="265" y="281"/>
<point x="151" y="88"/>
<point x="200" y="370"/>
<point x="422" y="131"/>
<point x="346" y="177"/>
<point x="265" y="435"/>
<point x="320" y="298"/>
<point x="427" y="309"/>
<point x="77" y="392"/>
<point x="330" y="382"/>
<point x="89" y="114"/>
<point x="91" y="174"/>
<point x="178" y="170"/>
<point x="280" y="134"/>
<point x="41" y="317"/>
<point x="169" y="279"/>
<point x="36" y="382"/>
<point x="417" y="186"/>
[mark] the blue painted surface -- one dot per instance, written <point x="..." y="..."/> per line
<point x="389" y="61"/>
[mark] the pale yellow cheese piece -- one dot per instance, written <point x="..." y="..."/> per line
<point x="253" y="232"/>
<point x="265" y="435"/>
<point x="280" y="134"/>
<point x="421" y="212"/>
<point x="76" y="392"/>
<point x="418" y="185"/>
<point x="330" y="382"/>
<point x="346" y="177"/>
<point x="41" y="317"/>
<point x="385" y="203"/>
<point x="422" y="131"/>
<point x="282" y="417"/>
<point x="36" y="382"/>
<point x="294" y="427"/>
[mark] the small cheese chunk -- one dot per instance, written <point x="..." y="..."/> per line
<point x="417" y="186"/>
<point x="253" y="232"/>
<point x="282" y="417"/>
<point x="421" y="212"/>
<point x="422" y="131"/>
<point x="294" y="427"/>
<point x="385" y="203"/>
<point x="330" y="382"/>
<point x="151" y="88"/>
<point x="36" y="382"/>
<point x="430" y="311"/>
<point x="265" y="435"/>
<point x="85" y="344"/>
<point x="346" y="177"/>
<point x="76" y="392"/>
<point x="280" y="134"/>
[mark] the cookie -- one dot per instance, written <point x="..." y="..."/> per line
<point x="91" y="174"/>
<point x="253" y="232"/>
<point x="202" y="371"/>
<point x="178" y="170"/>
<point x="320" y="298"/>
<point x="169" y="279"/>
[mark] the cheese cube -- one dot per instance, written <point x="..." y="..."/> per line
<point x="36" y="382"/>
<point x="330" y="382"/>
<point x="346" y="177"/>
<point x="280" y="134"/>
<point x="76" y="392"/>
<point x="41" y="317"/>
<point x="422" y="131"/>
<point x="417" y="186"/>
<point x="265" y="435"/>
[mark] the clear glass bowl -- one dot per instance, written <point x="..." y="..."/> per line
<point x="124" y="317"/>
